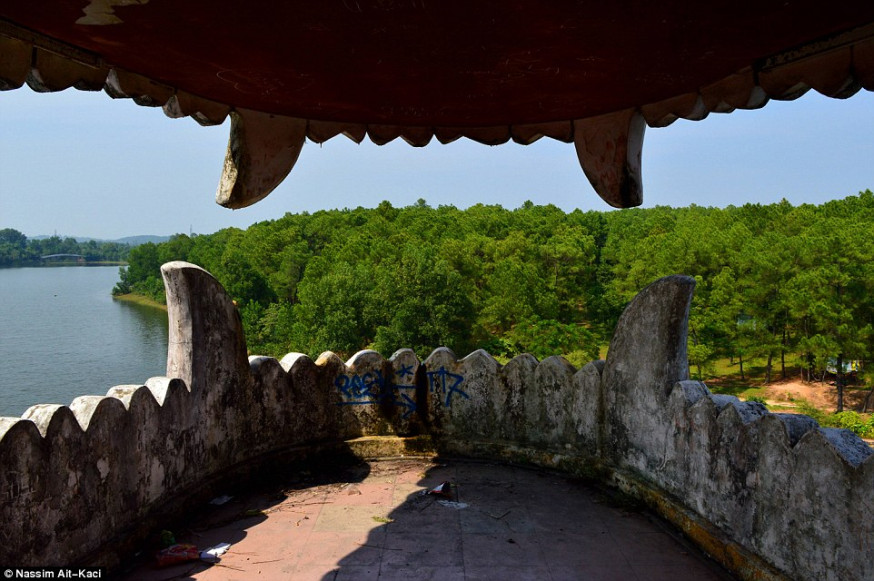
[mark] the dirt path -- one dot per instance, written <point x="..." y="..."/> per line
<point x="785" y="394"/>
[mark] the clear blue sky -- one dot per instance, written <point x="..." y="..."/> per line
<point x="83" y="164"/>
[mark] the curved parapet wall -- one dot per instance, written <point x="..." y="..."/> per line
<point x="771" y="496"/>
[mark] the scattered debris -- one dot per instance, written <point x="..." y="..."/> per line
<point x="175" y="554"/>
<point x="383" y="519"/>
<point x="220" y="500"/>
<point x="499" y="517"/>
<point x="452" y="504"/>
<point x="212" y="554"/>
<point x="442" y="489"/>
<point x="183" y="553"/>
<point x="167" y="539"/>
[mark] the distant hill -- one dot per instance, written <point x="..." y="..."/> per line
<point x="131" y="240"/>
<point x="142" y="239"/>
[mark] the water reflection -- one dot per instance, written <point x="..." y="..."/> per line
<point x="64" y="336"/>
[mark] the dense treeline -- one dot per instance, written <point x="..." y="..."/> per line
<point x="794" y="285"/>
<point x="17" y="250"/>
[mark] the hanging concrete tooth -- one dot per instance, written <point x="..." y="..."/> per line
<point x="15" y="60"/>
<point x="525" y="134"/>
<point x="863" y="63"/>
<point x="382" y="134"/>
<point x="262" y="149"/>
<point x="448" y="134"/>
<point x="831" y="74"/>
<point x="356" y="133"/>
<point x="737" y="91"/>
<point x="689" y="106"/>
<point x="488" y="135"/>
<point x="528" y="134"/>
<point x="204" y="111"/>
<point x="828" y="73"/>
<point x="417" y="136"/>
<point x="321" y="131"/>
<point x="52" y="72"/>
<point x="144" y="91"/>
<point x="782" y="83"/>
<point x="609" y="148"/>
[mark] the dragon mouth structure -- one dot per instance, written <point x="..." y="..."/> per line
<point x="590" y="75"/>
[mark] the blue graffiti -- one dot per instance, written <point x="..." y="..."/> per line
<point x="361" y="389"/>
<point x="407" y="403"/>
<point x="370" y="389"/>
<point x="443" y="382"/>
<point x="404" y="371"/>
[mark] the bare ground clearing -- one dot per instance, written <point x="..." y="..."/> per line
<point x="786" y="394"/>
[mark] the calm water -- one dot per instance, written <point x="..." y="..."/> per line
<point x="62" y="335"/>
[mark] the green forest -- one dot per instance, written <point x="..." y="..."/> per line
<point x="791" y="285"/>
<point x="16" y="249"/>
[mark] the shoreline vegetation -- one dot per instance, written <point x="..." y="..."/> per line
<point x="17" y="250"/>
<point x="139" y="299"/>
<point x="778" y="287"/>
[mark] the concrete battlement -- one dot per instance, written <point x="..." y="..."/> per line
<point x="770" y="496"/>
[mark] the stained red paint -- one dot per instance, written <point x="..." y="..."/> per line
<point x="440" y="63"/>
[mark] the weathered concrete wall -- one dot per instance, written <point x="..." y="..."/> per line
<point x="769" y="495"/>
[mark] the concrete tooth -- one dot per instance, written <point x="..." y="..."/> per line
<point x="609" y="148"/>
<point x="831" y="74"/>
<point x="204" y="111"/>
<point x="528" y="134"/>
<point x="782" y="84"/>
<point x="737" y="91"/>
<point x="485" y="135"/>
<point x="689" y="106"/>
<point x="863" y="63"/>
<point x="488" y="135"/>
<point x="382" y="134"/>
<point x="16" y="57"/>
<point x="52" y="72"/>
<point x="828" y="73"/>
<point x="524" y="134"/>
<point x="321" y="131"/>
<point x="417" y="136"/>
<point x="144" y="91"/>
<point x="262" y="150"/>
<point x="448" y="134"/>
<point x="356" y="133"/>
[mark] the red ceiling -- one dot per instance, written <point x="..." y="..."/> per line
<point x="438" y="62"/>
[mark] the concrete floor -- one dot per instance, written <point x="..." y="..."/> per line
<point x="371" y="521"/>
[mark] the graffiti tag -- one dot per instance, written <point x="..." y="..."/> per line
<point x="443" y="382"/>
<point x="371" y="388"/>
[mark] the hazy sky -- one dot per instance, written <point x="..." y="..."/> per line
<point x="83" y="164"/>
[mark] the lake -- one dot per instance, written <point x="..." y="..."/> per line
<point x="62" y="335"/>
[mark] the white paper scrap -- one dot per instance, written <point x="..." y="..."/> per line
<point x="212" y="554"/>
